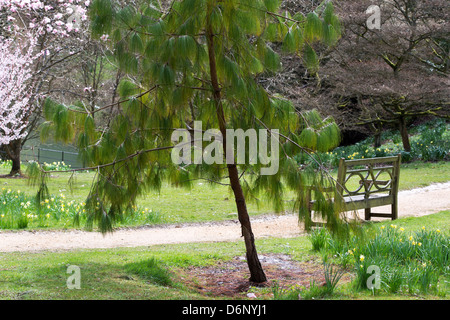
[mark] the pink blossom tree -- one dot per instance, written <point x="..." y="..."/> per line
<point x="16" y="94"/>
<point x="57" y="17"/>
<point x="51" y="30"/>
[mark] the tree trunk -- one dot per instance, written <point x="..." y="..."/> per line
<point x="13" y="152"/>
<point x="257" y="274"/>
<point x="404" y="134"/>
<point x="377" y="140"/>
<point x="378" y="129"/>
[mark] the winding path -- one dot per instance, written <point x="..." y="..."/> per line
<point x="416" y="202"/>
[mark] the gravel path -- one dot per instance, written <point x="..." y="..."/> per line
<point x="416" y="202"/>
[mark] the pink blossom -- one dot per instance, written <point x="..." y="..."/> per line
<point x="15" y="88"/>
<point x="69" y="11"/>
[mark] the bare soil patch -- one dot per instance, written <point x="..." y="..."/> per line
<point x="230" y="278"/>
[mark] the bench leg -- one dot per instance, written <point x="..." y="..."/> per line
<point x="367" y="214"/>
<point x="394" y="211"/>
<point x="308" y="219"/>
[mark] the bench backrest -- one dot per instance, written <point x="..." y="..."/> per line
<point x="375" y="175"/>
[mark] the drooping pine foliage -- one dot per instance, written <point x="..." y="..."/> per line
<point x="163" y="51"/>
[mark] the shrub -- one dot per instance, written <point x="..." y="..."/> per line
<point x="431" y="142"/>
<point x="406" y="156"/>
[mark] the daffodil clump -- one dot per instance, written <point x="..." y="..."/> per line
<point x="5" y="164"/>
<point x="410" y="262"/>
<point x="19" y="211"/>
<point x="56" y="166"/>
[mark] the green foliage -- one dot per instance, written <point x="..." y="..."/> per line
<point x="315" y="291"/>
<point x="166" y="57"/>
<point x="20" y="211"/>
<point x="429" y="142"/>
<point x="433" y="144"/>
<point x="409" y="261"/>
<point x="319" y="238"/>
<point x="332" y="277"/>
<point x="284" y="294"/>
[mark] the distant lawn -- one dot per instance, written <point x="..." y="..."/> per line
<point x="204" y="202"/>
<point x="422" y="174"/>
<point x="157" y="272"/>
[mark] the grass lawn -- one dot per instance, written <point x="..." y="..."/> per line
<point x="192" y="271"/>
<point x="204" y="202"/>
<point x="178" y="272"/>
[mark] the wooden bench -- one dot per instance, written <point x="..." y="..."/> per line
<point x="364" y="184"/>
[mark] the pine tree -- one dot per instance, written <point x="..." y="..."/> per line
<point x="197" y="60"/>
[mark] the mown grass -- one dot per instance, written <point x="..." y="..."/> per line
<point x="157" y="272"/>
<point x="212" y="202"/>
<point x="204" y="202"/>
<point x="105" y="274"/>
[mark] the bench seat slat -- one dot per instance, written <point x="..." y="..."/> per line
<point x="352" y="203"/>
<point x="359" y="202"/>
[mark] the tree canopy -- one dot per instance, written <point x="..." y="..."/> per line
<point x="197" y="60"/>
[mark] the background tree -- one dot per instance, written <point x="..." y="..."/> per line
<point x="197" y="60"/>
<point x="50" y="29"/>
<point x="16" y="94"/>
<point x="391" y="75"/>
